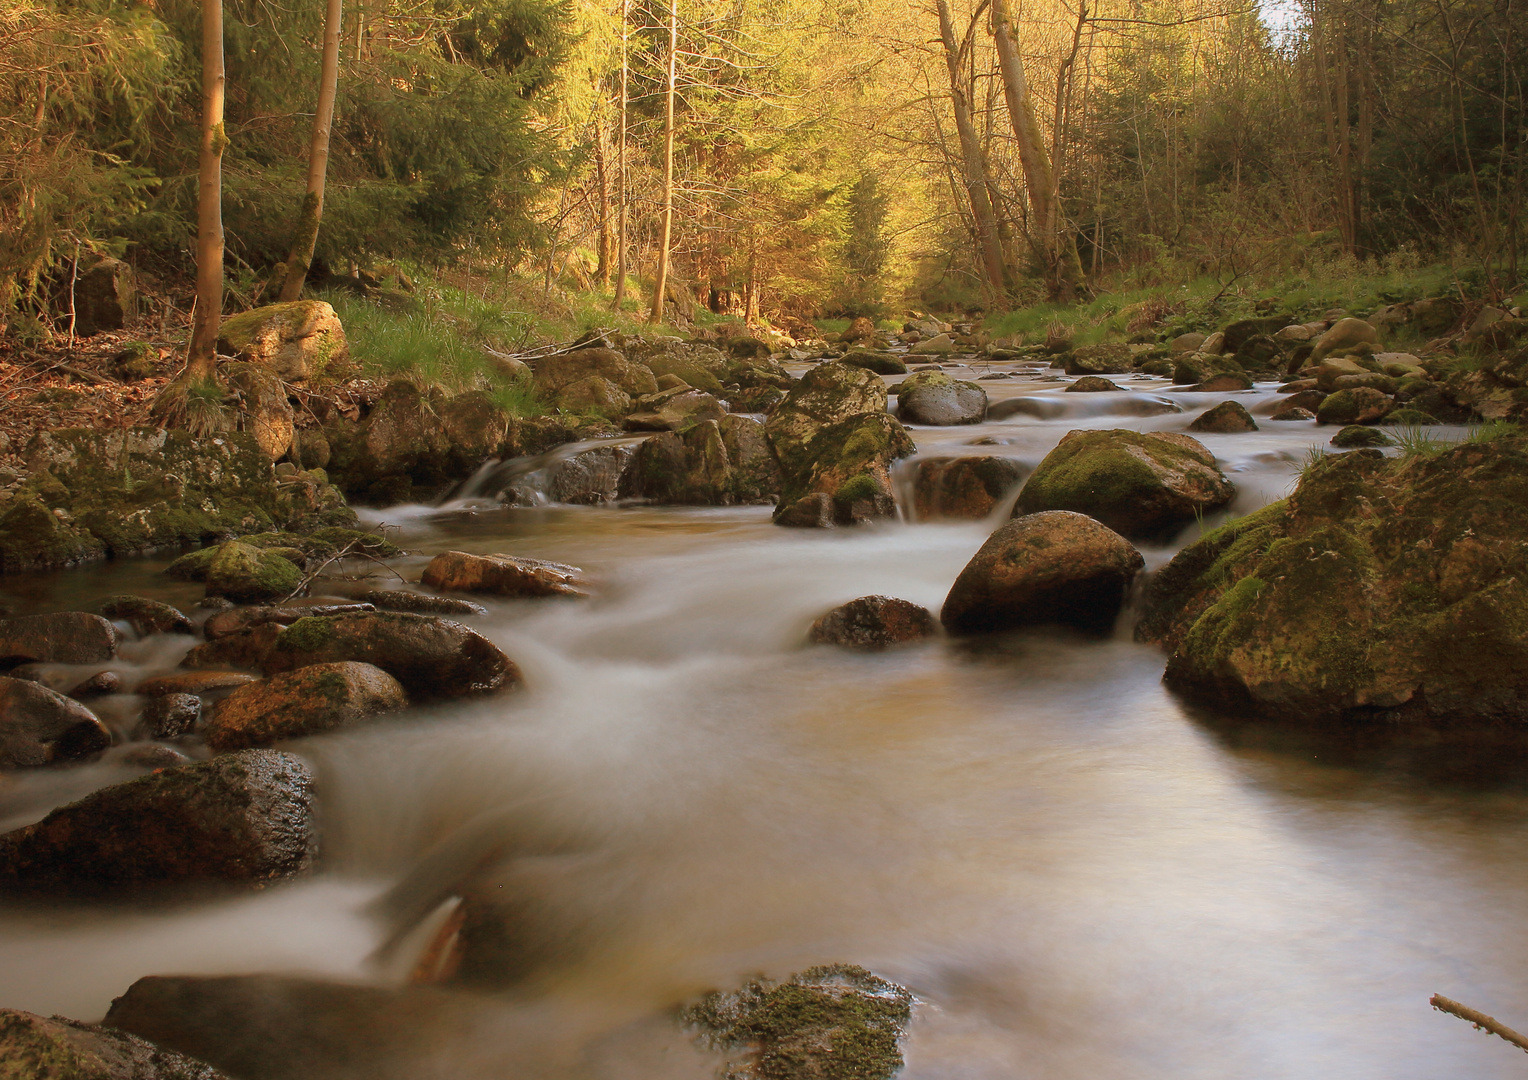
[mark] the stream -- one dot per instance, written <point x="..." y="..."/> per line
<point x="1080" y="877"/>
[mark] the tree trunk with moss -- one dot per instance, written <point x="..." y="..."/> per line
<point x="201" y="358"/>
<point x="620" y="167"/>
<point x="1057" y="252"/>
<point x="668" y="166"/>
<point x="305" y="238"/>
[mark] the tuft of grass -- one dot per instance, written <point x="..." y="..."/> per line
<point x="1491" y="430"/>
<point x="193" y="404"/>
<point x="1416" y="442"/>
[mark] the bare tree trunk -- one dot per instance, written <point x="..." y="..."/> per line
<point x="620" y="169"/>
<point x="1063" y="269"/>
<point x="668" y="167"/>
<point x="305" y="238"/>
<point x="975" y="169"/>
<point x="201" y="358"/>
<point x="602" y="269"/>
<point x="1336" y="137"/>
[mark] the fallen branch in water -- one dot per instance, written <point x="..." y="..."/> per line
<point x="1480" y="1020"/>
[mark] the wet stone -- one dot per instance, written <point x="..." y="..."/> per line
<point x="503" y="575"/>
<point x="168" y="716"/>
<point x="420" y="603"/>
<point x="193" y="682"/>
<point x="56" y="1048"/>
<point x="64" y="637"/>
<point x="146" y="616"/>
<point x="873" y="623"/>
<point x="39" y="726"/>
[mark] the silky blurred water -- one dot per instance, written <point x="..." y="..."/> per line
<point x="1080" y="878"/>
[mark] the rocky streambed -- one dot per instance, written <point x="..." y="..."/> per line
<point x="509" y="790"/>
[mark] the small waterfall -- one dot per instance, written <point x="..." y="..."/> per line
<point x="581" y="473"/>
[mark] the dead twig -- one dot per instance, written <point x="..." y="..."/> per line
<point x="1480" y="1020"/>
<point x="352" y="549"/>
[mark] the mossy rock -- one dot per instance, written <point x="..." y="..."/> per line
<point x="1109" y="358"/>
<point x="851" y="462"/>
<point x="56" y="1048"/>
<point x="1138" y="484"/>
<point x="298" y="340"/>
<point x="835" y="1022"/>
<point x="1409" y="417"/>
<point x="1382" y="588"/>
<point x="307" y="701"/>
<point x="193" y="565"/>
<point x="249" y="575"/>
<point x="826" y="395"/>
<point x="1197" y="368"/>
<point x="1356" y="435"/>
<point x="32" y="536"/>
<point x="882" y="363"/>
<point x="1361" y="405"/>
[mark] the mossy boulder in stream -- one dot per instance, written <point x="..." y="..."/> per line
<point x="55" y="1048"/>
<point x="1382" y="588"/>
<point x="248" y="575"/>
<point x="245" y="818"/>
<point x="932" y="397"/>
<point x="848" y="468"/>
<point x="1139" y="484"/>
<point x="713" y="463"/>
<point x="834" y="1022"/>
<point x="93" y="494"/>
<point x="826" y="395"/>
<point x="431" y="657"/>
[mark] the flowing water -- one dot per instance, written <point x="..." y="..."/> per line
<point x="1079" y="877"/>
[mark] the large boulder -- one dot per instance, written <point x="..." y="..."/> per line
<point x="873" y="623"/>
<point x="104" y="296"/>
<point x="300" y="340"/>
<point x="593" y="394"/>
<point x="555" y="374"/>
<point x="63" y="637"/>
<point x="1496" y="389"/>
<point x="146" y="616"/>
<point x="503" y="575"/>
<point x="39" y="726"/>
<point x="1382" y="588"/>
<point x="1050" y="567"/>
<point x="307" y="701"/>
<point x="1138" y="484"/>
<point x="245" y="818"/>
<point x="93" y="493"/>
<point x="835" y="1022"/>
<point x="882" y="363"/>
<point x="431" y="657"/>
<point x="1227" y="418"/>
<point x="1344" y="334"/>
<point x="850" y="464"/>
<point x="1200" y="367"/>
<point x="674" y="410"/>
<point x="1110" y="358"/>
<point x="1239" y="333"/>
<point x="37" y="1048"/>
<point x="1360" y="405"/>
<point x="963" y="487"/>
<point x="248" y="575"/>
<point x="827" y="394"/>
<point x="932" y="397"/>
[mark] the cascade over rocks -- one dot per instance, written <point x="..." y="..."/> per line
<point x="307" y="701"/>
<point x="963" y="487"/>
<point x="1050" y="567"/>
<point x="57" y="1048"/>
<point x="1139" y="484"/>
<point x="245" y="818"/>
<point x="39" y="726"/>
<point x="713" y="463"/>
<point x="932" y="397"/>
<point x="431" y="657"/>
<point x="1380" y="588"/>
<point x="503" y="575"/>
<point x="873" y="623"/>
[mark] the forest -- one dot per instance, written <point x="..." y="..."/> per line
<point x="771" y="159"/>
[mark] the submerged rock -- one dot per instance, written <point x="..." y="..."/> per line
<point x="873" y="622"/>
<point x="39" y="726"/>
<point x="245" y="818"/>
<point x="431" y="657"/>
<point x="1091" y="384"/>
<point x="55" y="1048"/>
<point x="63" y="637"/>
<point x="1138" y="484"/>
<point x="503" y="575"/>
<point x="963" y="487"/>
<point x="1357" y="435"/>
<point x="1051" y="567"/>
<point x="1380" y="588"/>
<point x="835" y="1021"/>
<point x="307" y="701"/>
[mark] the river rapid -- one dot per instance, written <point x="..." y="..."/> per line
<point x="1079" y="876"/>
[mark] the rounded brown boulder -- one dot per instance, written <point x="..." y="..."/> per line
<point x="245" y="817"/>
<point x="431" y="657"/>
<point x="39" y="726"/>
<point x="873" y="622"/>
<point x="502" y="575"/>
<point x="1055" y="567"/>
<point x="306" y="701"/>
<point x="63" y="637"/>
<point x="57" y="1048"/>
<point x="1227" y="418"/>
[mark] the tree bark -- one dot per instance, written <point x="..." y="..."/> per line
<point x="1058" y="255"/>
<point x="668" y="167"/>
<point x="201" y="357"/>
<point x="974" y="167"/>
<point x="602" y="178"/>
<point x="620" y="169"/>
<point x="305" y="237"/>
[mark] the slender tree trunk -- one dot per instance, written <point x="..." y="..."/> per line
<point x="975" y="169"/>
<point x="603" y="179"/>
<point x="305" y="238"/>
<point x="620" y="169"/>
<point x="661" y="278"/>
<point x="1063" y="269"/>
<point x="201" y="358"/>
<point x="1336" y="127"/>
